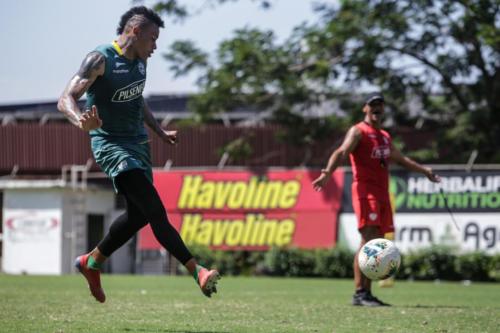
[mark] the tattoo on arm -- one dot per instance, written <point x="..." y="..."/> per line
<point x="92" y="62"/>
<point x="91" y="67"/>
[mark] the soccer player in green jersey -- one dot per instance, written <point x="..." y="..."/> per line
<point x="113" y="76"/>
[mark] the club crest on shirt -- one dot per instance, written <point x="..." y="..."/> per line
<point x="141" y="68"/>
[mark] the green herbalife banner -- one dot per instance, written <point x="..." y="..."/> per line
<point x="422" y="219"/>
<point x="477" y="191"/>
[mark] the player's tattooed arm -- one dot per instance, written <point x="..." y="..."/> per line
<point x="91" y="68"/>
<point x="91" y="65"/>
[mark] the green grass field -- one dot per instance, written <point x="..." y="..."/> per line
<point x="147" y="304"/>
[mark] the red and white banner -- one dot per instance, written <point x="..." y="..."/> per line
<point x="253" y="211"/>
<point x="28" y="232"/>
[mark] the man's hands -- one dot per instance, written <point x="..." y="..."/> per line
<point x="320" y="182"/>
<point x="432" y="176"/>
<point x="90" y="120"/>
<point x="170" y="137"/>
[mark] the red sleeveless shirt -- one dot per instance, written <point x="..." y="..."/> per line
<point x="370" y="164"/>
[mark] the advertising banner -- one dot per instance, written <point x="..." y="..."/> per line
<point x="28" y="233"/>
<point x="477" y="232"/>
<point x="421" y="208"/>
<point x="478" y="191"/>
<point x="246" y="210"/>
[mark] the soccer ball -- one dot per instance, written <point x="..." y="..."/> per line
<point x="379" y="259"/>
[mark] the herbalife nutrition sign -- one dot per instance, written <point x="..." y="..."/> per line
<point x="464" y="192"/>
<point x="422" y="219"/>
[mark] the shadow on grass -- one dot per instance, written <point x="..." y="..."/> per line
<point x="145" y="330"/>
<point x="423" y="306"/>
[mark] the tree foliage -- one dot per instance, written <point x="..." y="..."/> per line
<point x="437" y="63"/>
<point x="179" y="10"/>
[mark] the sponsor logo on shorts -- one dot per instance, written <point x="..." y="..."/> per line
<point x="123" y="165"/>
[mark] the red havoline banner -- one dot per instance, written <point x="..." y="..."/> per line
<point x="245" y="210"/>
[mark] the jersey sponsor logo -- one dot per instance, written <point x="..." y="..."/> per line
<point x="118" y="64"/>
<point x="130" y="92"/>
<point x="381" y="152"/>
<point x="120" y="71"/>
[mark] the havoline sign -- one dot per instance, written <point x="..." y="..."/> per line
<point x="478" y="191"/>
<point x="248" y="209"/>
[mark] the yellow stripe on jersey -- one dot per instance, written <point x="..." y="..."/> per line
<point x="117" y="47"/>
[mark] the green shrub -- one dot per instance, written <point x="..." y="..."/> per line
<point x="276" y="262"/>
<point x="494" y="268"/>
<point x="228" y="262"/>
<point x="289" y="262"/>
<point x="335" y="263"/>
<point x="473" y="266"/>
<point x="443" y="263"/>
<point x="426" y="264"/>
<point x="439" y="263"/>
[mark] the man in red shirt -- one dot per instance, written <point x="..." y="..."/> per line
<point x="370" y="150"/>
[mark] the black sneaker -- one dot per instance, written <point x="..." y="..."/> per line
<point x="376" y="300"/>
<point x="365" y="298"/>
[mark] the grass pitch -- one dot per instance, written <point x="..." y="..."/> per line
<point x="163" y="304"/>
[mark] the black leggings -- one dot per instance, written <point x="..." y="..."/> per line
<point x="143" y="206"/>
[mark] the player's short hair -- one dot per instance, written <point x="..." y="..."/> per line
<point x="138" y="15"/>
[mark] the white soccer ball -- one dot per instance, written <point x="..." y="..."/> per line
<point x="379" y="259"/>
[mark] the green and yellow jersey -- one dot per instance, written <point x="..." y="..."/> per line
<point x="121" y="143"/>
<point x="118" y="94"/>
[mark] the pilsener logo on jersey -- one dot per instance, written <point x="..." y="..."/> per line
<point x="130" y="92"/>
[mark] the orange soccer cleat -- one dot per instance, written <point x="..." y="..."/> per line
<point x="207" y="279"/>
<point x="93" y="277"/>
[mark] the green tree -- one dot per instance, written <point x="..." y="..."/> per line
<point x="436" y="61"/>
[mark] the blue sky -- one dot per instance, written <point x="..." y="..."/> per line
<point x="44" y="41"/>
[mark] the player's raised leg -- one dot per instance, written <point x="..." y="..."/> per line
<point x="142" y="194"/>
